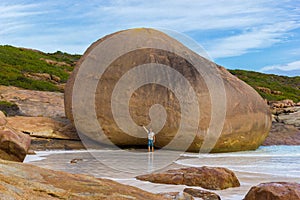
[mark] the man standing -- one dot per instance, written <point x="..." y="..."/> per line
<point x="151" y="138"/>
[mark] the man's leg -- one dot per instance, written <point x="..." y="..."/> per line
<point x="149" y="145"/>
<point x="152" y="146"/>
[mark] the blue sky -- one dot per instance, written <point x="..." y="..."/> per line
<point x="258" y="35"/>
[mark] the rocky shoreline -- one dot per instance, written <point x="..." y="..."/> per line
<point x="42" y="116"/>
<point x="39" y="117"/>
<point x="23" y="181"/>
<point x="285" y="128"/>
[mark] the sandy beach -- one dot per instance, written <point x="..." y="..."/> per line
<point x="267" y="164"/>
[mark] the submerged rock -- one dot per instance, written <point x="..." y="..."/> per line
<point x="274" y="191"/>
<point x="23" y="181"/>
<point x="204" y="195"/>
<point x="214" y="178"/>
<point x="178" y="196"/>
<point x="219" y="96"/>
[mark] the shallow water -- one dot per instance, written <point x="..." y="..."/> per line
<point x="272" y="163"/>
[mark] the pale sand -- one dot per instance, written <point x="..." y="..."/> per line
<point x="250" y="168"/>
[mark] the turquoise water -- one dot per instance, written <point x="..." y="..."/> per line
<point x="273" y="160"/>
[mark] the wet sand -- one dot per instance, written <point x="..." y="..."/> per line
<point x="264" y="165"/>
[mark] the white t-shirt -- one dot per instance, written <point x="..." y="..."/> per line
<point x="150" y="135"/>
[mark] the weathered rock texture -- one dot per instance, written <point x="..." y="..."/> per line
<point x="178" y="196"/>
<point x="43" y="127"/>
<point x="34" y="103"/>
<point x="2" y="119"/>
<point x="205" y="195"/>
<point x="215" y="178"/>
<point x="283" y="134"/>
<point x="13" y="144"/>
<point x="285" y="123"/>
<point x="274" y="191"/>
<point x="247" y="120"/>
<point x="22" y="181"/>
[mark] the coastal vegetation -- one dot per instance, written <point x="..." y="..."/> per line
<point x="271" y="87"/>
<point x="36" y="70"/>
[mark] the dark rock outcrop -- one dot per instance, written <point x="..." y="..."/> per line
<point x="274" y="191"/>
<point x="215" y="178"/>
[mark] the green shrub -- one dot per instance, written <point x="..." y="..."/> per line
<point x="289" y="86"/>
<point x="15" y="62"/>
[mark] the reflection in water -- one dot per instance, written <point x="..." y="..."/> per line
<point x="150" y="162"/>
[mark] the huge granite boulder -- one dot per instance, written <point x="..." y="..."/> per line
<point x="118" y="82"/>
<point x="214" y="178"/>
<point x="274" y="191"/>
<point x="23" y="181"/>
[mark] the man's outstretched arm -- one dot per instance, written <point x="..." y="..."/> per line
<point x="145" y="129"/>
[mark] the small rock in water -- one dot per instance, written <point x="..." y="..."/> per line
<point x="75" y="160"/>
<point x="205" y="195"/>
<point x="178" y="196"/>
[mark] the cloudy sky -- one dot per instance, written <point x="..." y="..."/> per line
<point x="258" y="35"/>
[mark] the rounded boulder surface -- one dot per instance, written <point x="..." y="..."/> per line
<point x="214" y="178"/>
<point x="208" y="109"/>
<point x="274" y="191"/>
<point x="13" y="145"/>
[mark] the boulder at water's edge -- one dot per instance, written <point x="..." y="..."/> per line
<point x="237" y="118"/>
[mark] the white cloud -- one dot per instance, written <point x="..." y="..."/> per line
<point x="254" y="24"/>
<point x="285" y="67"/>
<point x="254" y="39"/>
<point x="185" y="15"/>
<point x="12" y="17"/>
<point x="289" y="69"/>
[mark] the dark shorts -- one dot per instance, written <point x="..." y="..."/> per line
<point x="150" y="143"/>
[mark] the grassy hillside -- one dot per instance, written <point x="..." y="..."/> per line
<point x="21" y="67"/>
<point x="282" y="87"/>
